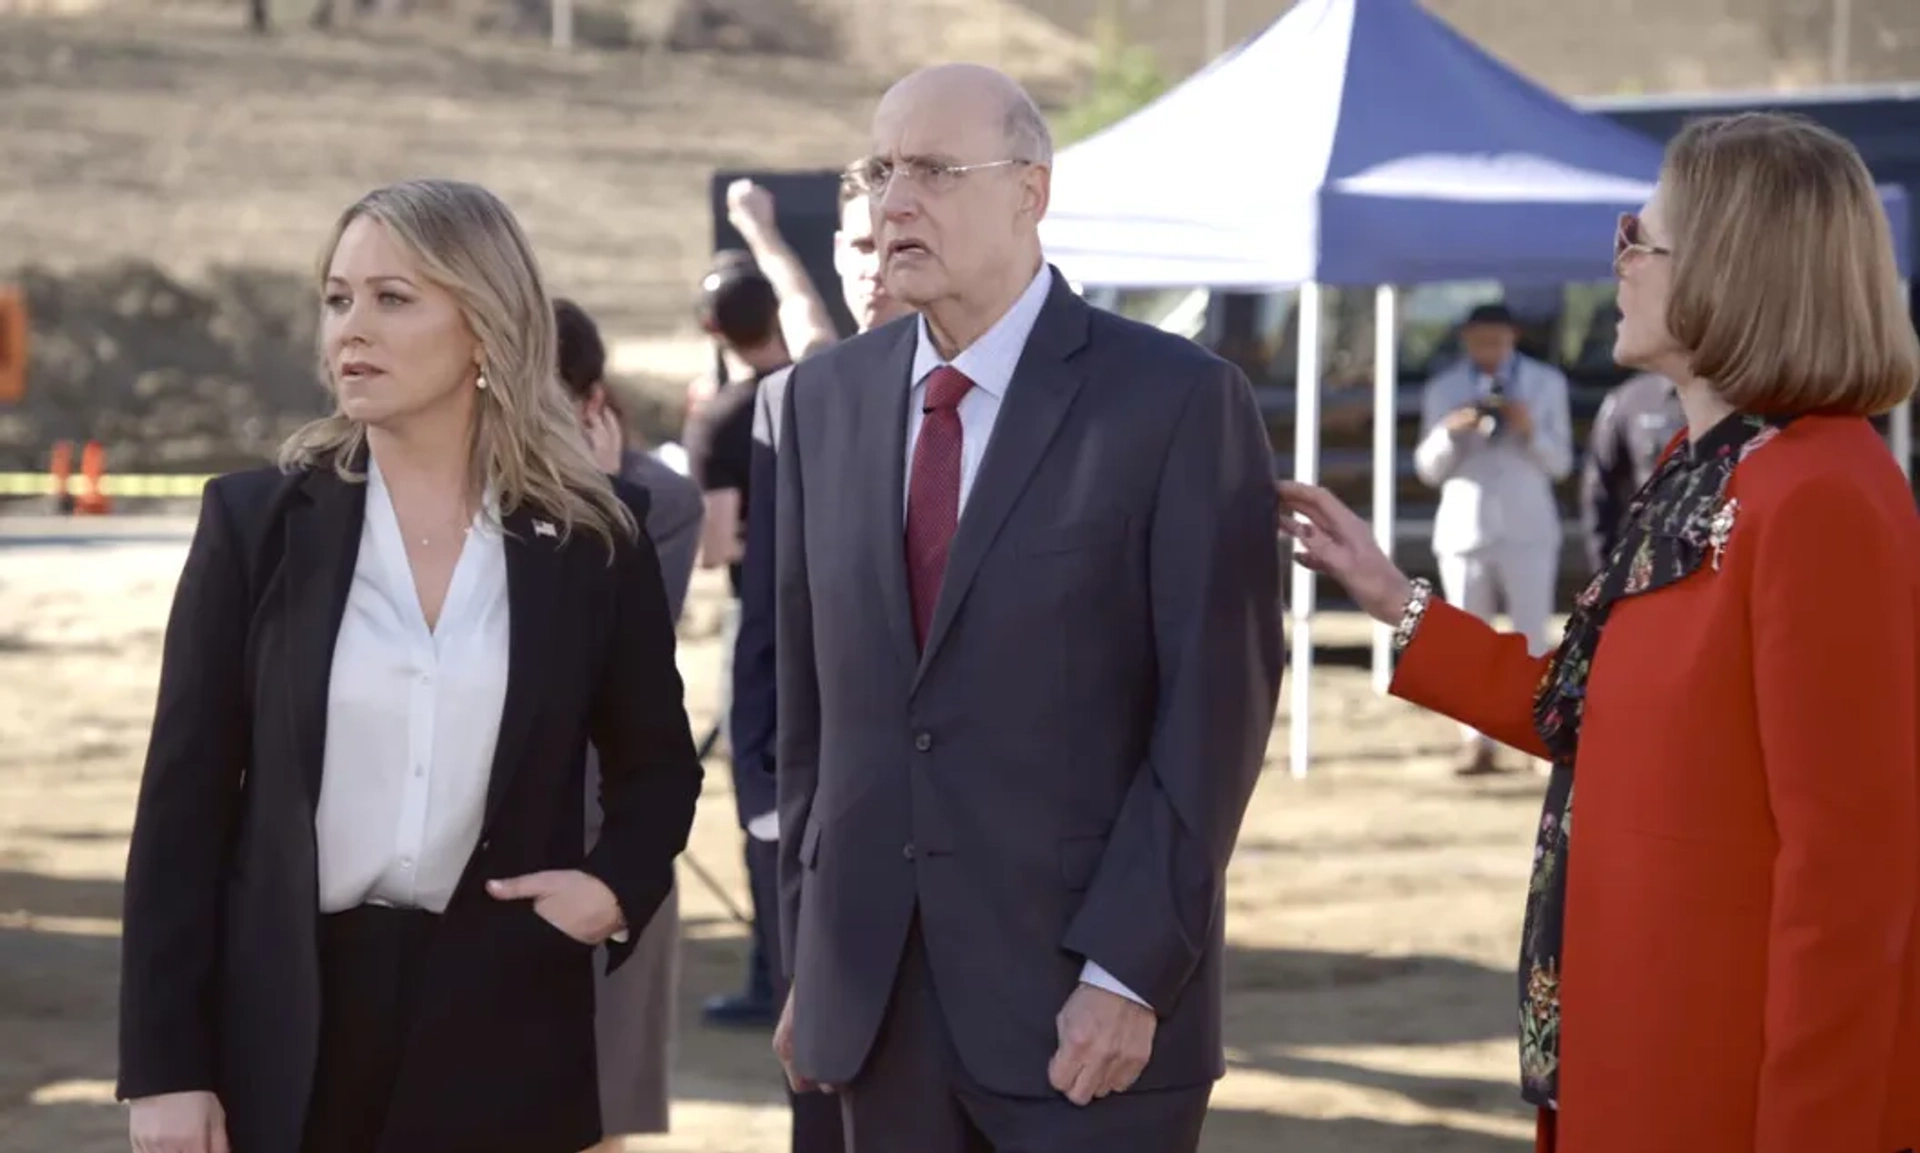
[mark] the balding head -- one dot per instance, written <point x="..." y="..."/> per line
<point x="961" y="167"/>
<point x="1028" y="137"/>
<point x="984" y="95"/>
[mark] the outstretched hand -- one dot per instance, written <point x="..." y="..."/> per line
<point x="1329" y="538"/>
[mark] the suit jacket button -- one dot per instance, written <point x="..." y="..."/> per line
<point x="908" y="851"/>
<point x="923" y="741"/>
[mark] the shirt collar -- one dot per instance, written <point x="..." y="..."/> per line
<point x="989" y="362"/>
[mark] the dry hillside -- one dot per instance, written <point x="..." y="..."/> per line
<point x="194" y="143"/>
<point x="182" y="137"/>
<point x="164" y="131"/>
<point x="170" y="135"/>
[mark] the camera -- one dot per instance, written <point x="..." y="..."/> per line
<point x="1492" y="407"/>
<point x="1493" y="416"/>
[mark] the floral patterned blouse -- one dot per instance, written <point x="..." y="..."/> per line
<point x="1677" y="522"/>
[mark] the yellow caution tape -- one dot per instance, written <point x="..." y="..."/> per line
<point x="112" y="484"/>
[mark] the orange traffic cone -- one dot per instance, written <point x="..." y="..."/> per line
<point x="60" y="476"/>
<point x="13" y="344"/>
<point x="93" y="466"/>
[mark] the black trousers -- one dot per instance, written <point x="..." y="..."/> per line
<point x="371" y="961"/>
<point x="763" y="883"/>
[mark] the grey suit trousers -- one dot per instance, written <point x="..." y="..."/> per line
<point x="915" y="1095"/>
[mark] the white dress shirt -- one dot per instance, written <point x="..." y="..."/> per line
<point x="989" y="363"/>
<point x="413" y="715"/>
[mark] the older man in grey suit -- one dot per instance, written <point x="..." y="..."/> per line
<point x="1029" y="650"/>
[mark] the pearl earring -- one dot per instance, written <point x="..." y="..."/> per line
<point x="480" y="381"/>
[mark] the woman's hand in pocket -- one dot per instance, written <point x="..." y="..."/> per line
<point x="576" y="903"/>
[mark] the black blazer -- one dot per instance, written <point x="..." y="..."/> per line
<point x="220" y="982"/>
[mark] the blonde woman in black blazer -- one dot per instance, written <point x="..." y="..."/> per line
<point x="359" y="914"/>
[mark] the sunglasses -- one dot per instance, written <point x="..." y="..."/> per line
<point x="1630" y="237"/>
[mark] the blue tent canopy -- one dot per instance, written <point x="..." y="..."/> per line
<point x="1352" y="142"/>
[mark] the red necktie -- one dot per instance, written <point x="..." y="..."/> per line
<point x="933" y="493"/>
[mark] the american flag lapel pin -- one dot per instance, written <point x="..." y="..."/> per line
<point x="545" y="528"/>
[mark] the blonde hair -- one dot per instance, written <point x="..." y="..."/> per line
<point x="527" y="446"/>
<point x="1784" y="292"/>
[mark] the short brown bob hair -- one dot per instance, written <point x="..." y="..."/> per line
<point x="1784" y="288"/>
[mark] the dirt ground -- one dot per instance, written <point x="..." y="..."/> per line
<point x="1374" y="906"/>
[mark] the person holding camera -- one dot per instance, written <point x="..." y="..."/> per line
<point x="1495" y="438"/>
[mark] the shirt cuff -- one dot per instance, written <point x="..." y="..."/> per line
<point x="1093" y="974"/>
<point x="765" y="827"/>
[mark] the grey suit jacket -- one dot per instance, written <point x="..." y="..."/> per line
<point x="675" y="511"/>
<point x="673" y="521"/>
<point x="674" y="517"/>
<point x="1061" y="775"/>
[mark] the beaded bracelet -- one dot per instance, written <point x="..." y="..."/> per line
<point x="1418" y="592"/>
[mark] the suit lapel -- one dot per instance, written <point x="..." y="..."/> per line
<point x="535" y="585"/>
<point x="322" y="548"/>
<point x="1042" y="390"/>
<point x="883" y="436"/>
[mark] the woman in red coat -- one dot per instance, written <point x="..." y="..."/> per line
<point x="1727" y="958"/>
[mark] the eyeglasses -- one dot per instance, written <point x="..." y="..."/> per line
<point x="873" y="175"/>
<point x="1630" y="237"/>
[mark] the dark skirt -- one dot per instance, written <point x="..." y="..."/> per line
<point x="371" y="962"/>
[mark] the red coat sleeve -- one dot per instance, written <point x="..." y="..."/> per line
<point x="1834" y="680"/>
<point x="1459" y="666"/>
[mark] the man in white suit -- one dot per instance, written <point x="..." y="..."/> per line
<point x="1496" y="436"/>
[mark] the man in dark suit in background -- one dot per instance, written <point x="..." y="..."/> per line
<point x="740" y="309"/>
<point x="1029" y="651"/>
<point x="816" y="1117"/>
